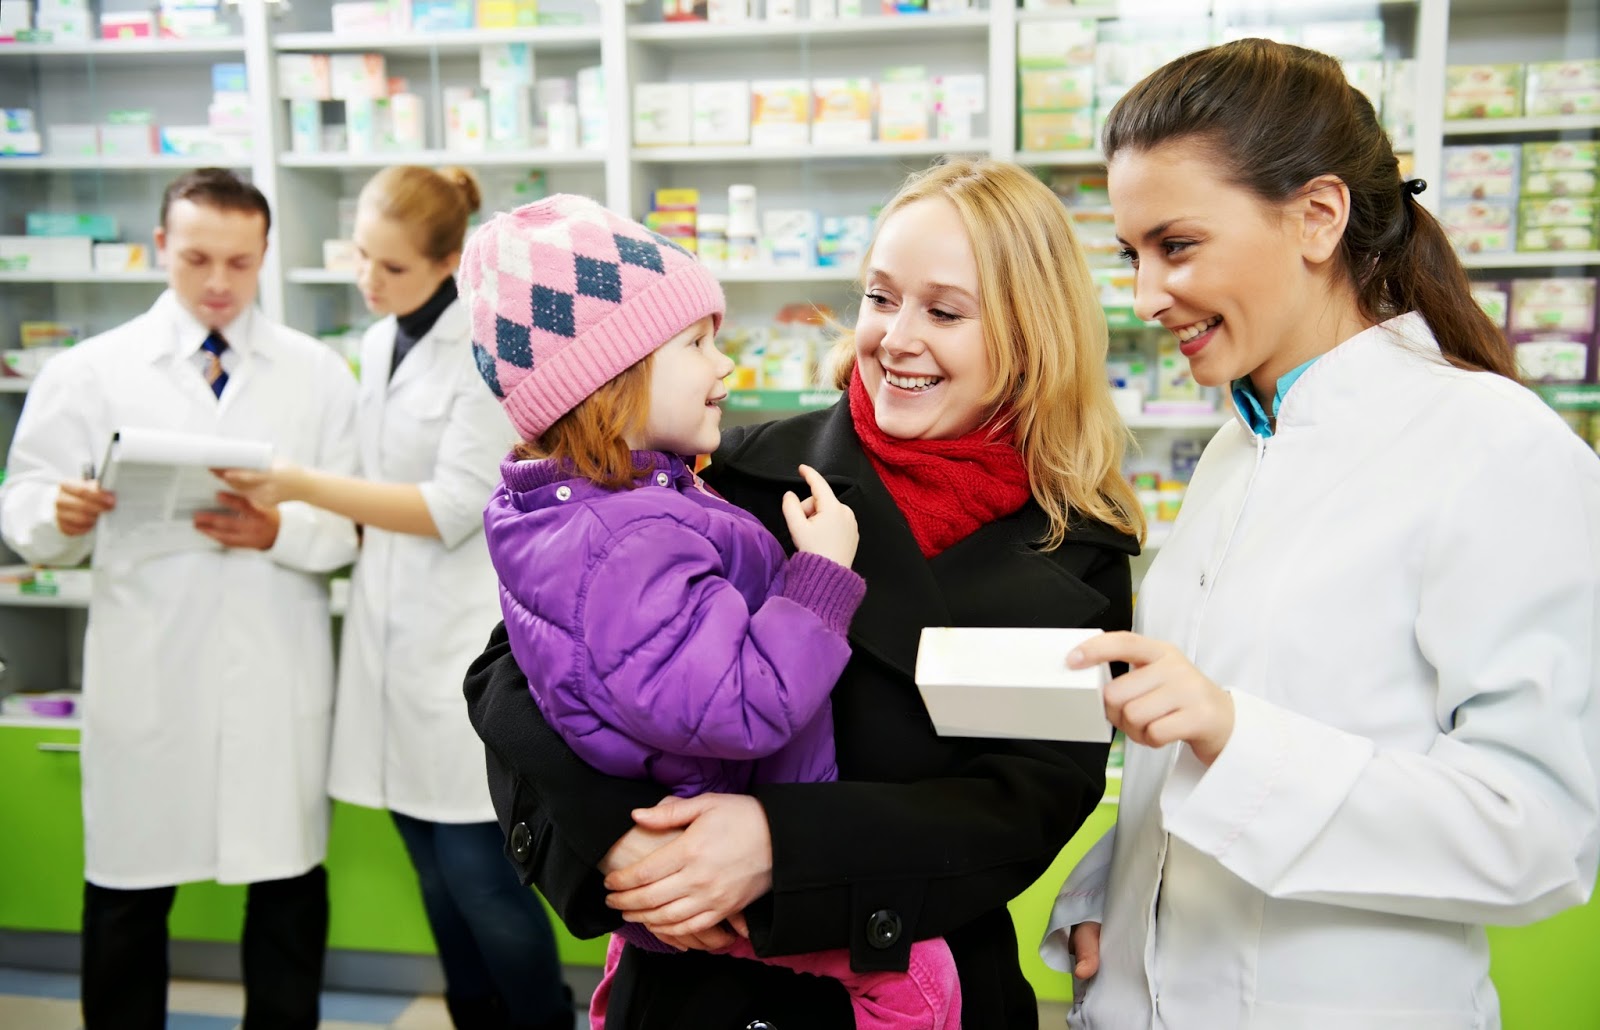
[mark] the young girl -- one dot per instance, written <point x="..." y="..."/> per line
<point x="422" y="597"/>
<point x="1386" y="568"/>
<point x="663" y="631"/>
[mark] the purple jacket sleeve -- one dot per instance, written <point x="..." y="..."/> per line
<point x="681" y="663"/>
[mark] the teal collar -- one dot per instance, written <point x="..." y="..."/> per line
<point x="1244" y="398"/>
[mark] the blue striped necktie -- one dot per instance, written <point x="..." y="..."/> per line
<point x="216" y="375"/>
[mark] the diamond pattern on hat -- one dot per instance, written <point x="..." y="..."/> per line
<point x="511" y="343"/>
<point x="641" y="253"/>
<point x="598" y="279"/>
<point x="552" y="311"/>
<point x="552" y="267"/>
<point x="668" y="243"/>
<point x="511" y="257"/>
<point x="486" y="368"/>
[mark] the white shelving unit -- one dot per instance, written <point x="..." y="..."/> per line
<point x="1522" y="126"/>
<point x="1545" y="259"/>
<point x="541" y="40"/>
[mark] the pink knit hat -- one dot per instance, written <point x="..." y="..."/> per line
<point x="564" y="296"/>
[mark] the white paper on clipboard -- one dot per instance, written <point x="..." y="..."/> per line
<point x="1012" y="683"/>
<point x="161" y="480"/>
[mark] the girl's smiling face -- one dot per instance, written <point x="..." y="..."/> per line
<point x="919" y="337"/>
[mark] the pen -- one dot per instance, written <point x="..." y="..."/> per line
<point x="88" y="470"/>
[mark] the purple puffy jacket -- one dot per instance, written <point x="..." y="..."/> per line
<point x="664" y="633"/>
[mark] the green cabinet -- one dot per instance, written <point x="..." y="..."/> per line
<point x="1542" y="972"/>
<point x="375" y="902"/>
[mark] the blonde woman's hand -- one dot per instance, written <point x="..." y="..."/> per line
<point x="1084" y="943"/>
<point x="1162" y="698"/>
<point x="820" y="524"/>
<point x="265" y="487"/>
<point x="721" y="863"/>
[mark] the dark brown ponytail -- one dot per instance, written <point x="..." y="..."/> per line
<point x="1275" y="117"/>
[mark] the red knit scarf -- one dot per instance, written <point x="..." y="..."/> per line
<point x="946" y="489"/>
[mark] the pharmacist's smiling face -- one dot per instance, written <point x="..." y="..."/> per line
<point x="1220" y="269"/>
<point x="919" y="336"/>
<point x="213" y="259"/>
<point x="394" y="276"/>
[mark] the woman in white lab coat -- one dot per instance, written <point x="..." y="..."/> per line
<point x="1362" y="697"/>
<point x="424" y="598"/>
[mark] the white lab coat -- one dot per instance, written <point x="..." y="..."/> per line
<point x="421" y="609"/>
<point x="1401" y="588"/>
<point x="208" y="672"/>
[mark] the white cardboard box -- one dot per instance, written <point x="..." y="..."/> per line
<point x="1012" y="683"/>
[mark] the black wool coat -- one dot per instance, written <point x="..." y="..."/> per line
<point x="923" y="836"/>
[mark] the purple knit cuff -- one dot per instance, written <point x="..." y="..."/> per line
<point x="826" y="587"/>
<point x="636" y="935"/>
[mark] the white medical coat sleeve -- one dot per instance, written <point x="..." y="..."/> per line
<point x="310" y="539"/>
<point x="1082" y="899"/>
<point x="1496" y="822"/>
<point x="52" y="443"/>
<point x="476" y="437"/>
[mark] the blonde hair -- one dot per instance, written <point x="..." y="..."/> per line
<point x="433" y="205"/>
<point x="1045" y="336"/>
<point x="592" y="439"/>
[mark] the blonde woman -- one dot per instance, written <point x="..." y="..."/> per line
<point x="423" y="596"/>
<point x="979" y="450"/>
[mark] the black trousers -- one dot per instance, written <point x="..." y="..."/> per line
<point x="125" y="954"/>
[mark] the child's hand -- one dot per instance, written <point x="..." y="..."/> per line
<point x="820" y="524"/>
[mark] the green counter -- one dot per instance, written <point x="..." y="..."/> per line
<point x="1544" y="973"/>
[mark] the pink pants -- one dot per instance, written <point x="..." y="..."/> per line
<point x="927" y="996"/>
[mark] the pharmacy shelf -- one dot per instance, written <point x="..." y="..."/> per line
<point x="154" y="275"/>
<point x="780" y="400"/>
<point x="1150" y="10"/>
<point x="548" y="38"/>
<point x="837" y="274"/>
<point x="44" y="722"/>
<point x="701" y="35"/>
<point x="484" y="159"/>
<point x="1519" y="126"/>
<point x="321" y="277"/>
<point x="1212" y="420"/>
<point x="1545" y="259"/>
<point x="876" y="150"/>
<point x="153" y="163"/>
<point x="1061" y="158"/>
<point x="1571" y="397"/>
<point x="15" y="598"/>
<point x="133" y="48"/>
<point x="14" y="384"/>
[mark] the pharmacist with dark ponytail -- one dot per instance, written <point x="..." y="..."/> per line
<point x="1362" y="697"/>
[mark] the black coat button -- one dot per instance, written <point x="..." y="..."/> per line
<point x="521" y="842"/>
<point x="761" y="1024"/>
<point x="883" y="929"/>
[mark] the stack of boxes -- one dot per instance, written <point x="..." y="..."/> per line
<point x="382" y="115"/>
<point x="795" y="112"/>
<point x="746" y="238"/>
<point x="1531" y="198"/>
<point x="1539" y="89"/>
<point x="1056" y="85"/>
<point x="380" y="17"/>
<point x="131" y="133"/>
<point x="66" y="21"/>
<point x="1551" y="324"/>
<point x="1072" y="71"/>
<point x="71" y="243"/>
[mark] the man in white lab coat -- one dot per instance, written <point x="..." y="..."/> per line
<point x="208" y="667"/>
